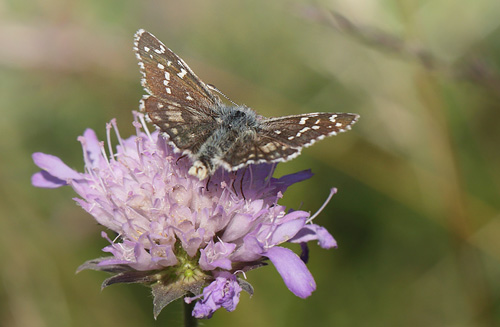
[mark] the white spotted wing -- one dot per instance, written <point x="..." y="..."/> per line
<point x="282" y="138"/>
<point x="179" y="102"/>
<point x="212" y="133"/>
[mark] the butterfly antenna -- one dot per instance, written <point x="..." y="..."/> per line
<point x="213" y="88"/>
<point x="241" y="183"/>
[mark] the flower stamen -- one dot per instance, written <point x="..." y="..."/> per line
<point x="332" y="192"/>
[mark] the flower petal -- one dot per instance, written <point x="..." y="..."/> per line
<point x="315" y="232"/>
<point x="294" y="272"/>
<point x="287" y="230"/>
<point x="291" y="179"/>
<point x="46" y="180"/>
<point x="223" y="292"/>
<point x="54" y="166"/>
<point x="92" y="147"/>
<point x="216" y="255"/>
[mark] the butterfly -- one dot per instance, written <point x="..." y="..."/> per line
<point x="215" y="134"/>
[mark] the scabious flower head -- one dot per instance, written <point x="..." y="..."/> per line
<point x="184" y="237"/>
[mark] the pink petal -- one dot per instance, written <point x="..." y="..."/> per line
<point x="287" y="230"/>
<point x="54" y="166"/>
<point x="315" y="232"/>
<point x="294" y="272"/>
<point x="46" y="180"/>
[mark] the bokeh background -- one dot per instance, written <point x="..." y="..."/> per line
<point x="417" y="213"/>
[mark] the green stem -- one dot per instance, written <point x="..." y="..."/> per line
<point x="189" y="320"/>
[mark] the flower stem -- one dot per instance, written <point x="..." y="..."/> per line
<point x="189" y="320"/>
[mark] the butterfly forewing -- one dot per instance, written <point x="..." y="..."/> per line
<point x="282" y="138"/>
<point x="168" y="77"/>
<point x="303" y="130"/>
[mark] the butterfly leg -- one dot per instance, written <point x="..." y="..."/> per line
<point x="181" y="157"/>
<point x="208" y="181"/>
<point x="241" y="183"/>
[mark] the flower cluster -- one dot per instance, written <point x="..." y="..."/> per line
<point x="183" y="237"/>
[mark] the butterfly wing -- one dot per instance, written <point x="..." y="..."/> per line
<point x="179" y="104"/>
<point x="168" y="77"/>
<point x="300" y="131"/>
<point x="261" y="149"/>
<point x="187" y="128"/>
<point x="282" y="138"/>
<point x="184" y="108"/>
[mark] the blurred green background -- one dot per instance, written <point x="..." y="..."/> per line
<point x="417" y="213"/>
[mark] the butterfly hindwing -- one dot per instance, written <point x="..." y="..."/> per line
<point x="186" y="127"/>
<point x="260" y="149"/>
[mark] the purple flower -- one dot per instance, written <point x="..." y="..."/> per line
<point x="178" y="234"/>
<point x="223" y="292"/>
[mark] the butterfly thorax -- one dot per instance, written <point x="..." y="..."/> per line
<point x="237" y="118"/>
<point x="235" y="125"/>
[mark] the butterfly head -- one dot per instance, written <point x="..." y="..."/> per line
<point x="198" y="169"/>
